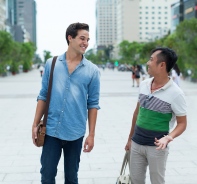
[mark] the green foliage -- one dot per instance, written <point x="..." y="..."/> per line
<point x="6" y="43"/>
<point x="27" y="53"/>
<point x="14" y="67"/>
<point x="129" y="52"/>
<point x="14" y="53"/>
<point x="47" y="55"/>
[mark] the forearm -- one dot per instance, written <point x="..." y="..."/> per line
<point x="180" y="128"/>
<point x="134" y="119"/>
<point x="92" y="116"/>
<point x="132" y="126"/>
<point x="39" y="112"/>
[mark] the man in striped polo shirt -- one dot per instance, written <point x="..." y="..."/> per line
<point x="161" y="102"/>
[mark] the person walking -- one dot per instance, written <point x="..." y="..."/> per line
<point x="160" y="102"/>
<point x="41" y="69"/>
<point x="137" y="75"/>
<point x="133" y="75"/>
<point x="74" y="99"/>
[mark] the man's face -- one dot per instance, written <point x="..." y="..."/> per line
<point x="153" y="66"/>
<point x="80" y="43"/>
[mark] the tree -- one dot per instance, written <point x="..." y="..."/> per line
<point x="47" y="55"/>
<point x="129" y="50"/>
<point x="186" y="39"/>
<point x="6" y="43"/>
<point x="27" y="53"/>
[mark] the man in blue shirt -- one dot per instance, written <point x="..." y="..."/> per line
<point x="74" y="100"/>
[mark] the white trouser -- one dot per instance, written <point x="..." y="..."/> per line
<point x="142" y="156"/>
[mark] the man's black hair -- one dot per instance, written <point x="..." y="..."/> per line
<point x="72" y="29"/>
<point x="166" y="55"/>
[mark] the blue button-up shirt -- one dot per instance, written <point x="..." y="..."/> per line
<point x="71" y="96"/>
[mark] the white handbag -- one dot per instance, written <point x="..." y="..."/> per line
<point x="124" y="178"/>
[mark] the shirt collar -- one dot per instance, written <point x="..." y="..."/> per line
<point x="167" y="85"/>
<point x="63" y="59"/>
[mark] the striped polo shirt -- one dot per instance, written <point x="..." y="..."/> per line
<point x="157" y="111"/>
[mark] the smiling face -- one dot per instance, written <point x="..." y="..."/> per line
<point x="80" y="43"/>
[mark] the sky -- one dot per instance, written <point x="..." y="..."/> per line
<point x="53" y="18"/>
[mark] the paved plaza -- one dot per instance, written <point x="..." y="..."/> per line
<point x="20" y="159"/>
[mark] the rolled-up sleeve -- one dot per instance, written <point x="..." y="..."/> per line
<point x="94" y="91"/>
<point x="45" y="79"/>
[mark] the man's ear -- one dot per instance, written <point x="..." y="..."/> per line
<point x="163" y="64"/>
<point x="69" y="38"/>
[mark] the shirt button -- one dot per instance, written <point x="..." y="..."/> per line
<point x="59" y="122"/>
<point x="62" y="111"/>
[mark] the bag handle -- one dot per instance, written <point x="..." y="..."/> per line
<point x="124" y="163"/>
<point x="49" y="91"/>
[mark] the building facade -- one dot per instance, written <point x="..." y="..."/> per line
<point x="21" y="20"/>
<point x="26" y="18"/>
<point x="182" y="10"/>
<point x="132" y="20"/>
<point x="127" y="20"/>
<point x="106" y="24"/>
<point x="2" y="14"/>
<point x="189" y="9"/>
<point x="155" y="19"/>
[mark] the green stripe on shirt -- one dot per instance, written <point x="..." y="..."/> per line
<point x="152" y="120"/>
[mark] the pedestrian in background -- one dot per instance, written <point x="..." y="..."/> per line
<point x="74" y="99"/>
<point x="176" y="74"/>
<point x="133" y="75"/>
<point x="160" y="102"/>
<point x="41" y="69"/>
<point x="137" y="75"/>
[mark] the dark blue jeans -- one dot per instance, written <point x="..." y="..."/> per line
<point x="51" y="153"/>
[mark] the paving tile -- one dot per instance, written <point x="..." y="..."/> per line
<point x="20" y="159"/>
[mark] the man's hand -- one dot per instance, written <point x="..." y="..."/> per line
<point x="163" y="142"/>
<point x="34" y="134"/>
<point x="128" y="145"/>
<point x="89" y="144"/>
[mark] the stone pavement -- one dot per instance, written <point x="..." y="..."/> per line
<point x="19" y="158"/>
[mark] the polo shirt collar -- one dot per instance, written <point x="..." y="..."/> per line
<point x="167" y="85"/>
